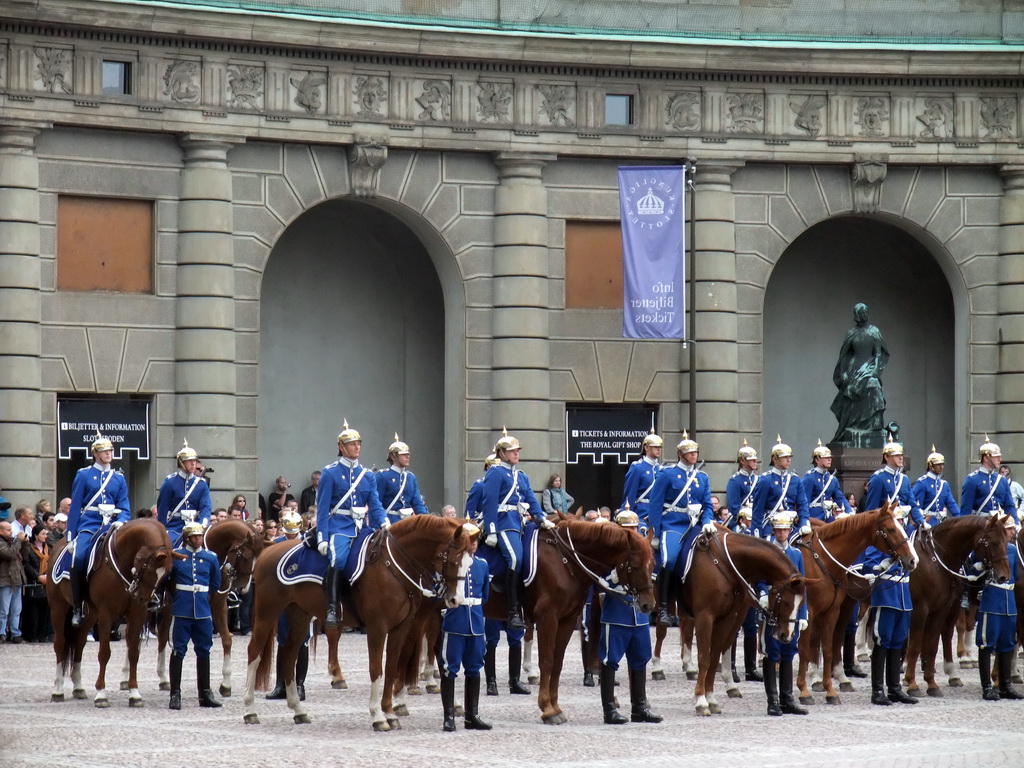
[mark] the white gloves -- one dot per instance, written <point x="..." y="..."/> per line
<point x="708" y="528"/>
<point x="655" y="543"/>
<point x="926" y="526"/>
<point x="546" y="524"/>
<point x="802" y="625"/>
<point x="117" y="524"/>
<point x="805" y="530"/>
<point x="491" y="540"/>
<point x="322" y="548"/>
<point x="885" y="565"/>
<point x="386" y="524"/>
<point x="763" y="602"/>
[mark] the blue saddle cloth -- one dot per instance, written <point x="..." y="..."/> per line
<point x="62" y="568"/>
<point x="686" y="554"/>
<point x="302" y="564"/>
<point x="496" y="561"/>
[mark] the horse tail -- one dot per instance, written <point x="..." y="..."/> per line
<point x="266" y="659"/>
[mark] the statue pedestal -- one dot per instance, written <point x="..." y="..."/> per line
<point x="854" y="466"/>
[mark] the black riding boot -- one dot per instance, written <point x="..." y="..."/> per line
<point x="203" y="682"/>
<point x="301" y="668"/>
<point x="611" y="714"/>
<point x="448" y="702"/>
<point x="850" y="657"/>
<point x="786" y="700"/>
<point x="732" y="662"/>
<point x="332" y="584"/>
<point x="278" y="692"/>
<point x="489" y="671"/>
<point x="878" y="676"/>
<point x="515" y="667"/>
<point x="640" y="710"/>
<point x="588" y="675"/>
<point x="771" y="686"/>
<point x="1005" y="672"/>
<point x="174" y="668"/>
<point x="893" y="670"/>
<point x="750" y="658"/>
<point x="515" y="616"/>
<point x="78" y="582"/>
<point x="472" y="721"/>
<point x="988" y="693"/>
<point x="664" y="588"/>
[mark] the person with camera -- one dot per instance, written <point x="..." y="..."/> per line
<point x="279" y="498"/>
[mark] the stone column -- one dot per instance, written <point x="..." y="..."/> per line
<point x="1008" y="427"/>
<point x="204" y="377"/>
<point x="21" y="408"/>
<point x="520" y="386"/>
<point x="716" y="328"/>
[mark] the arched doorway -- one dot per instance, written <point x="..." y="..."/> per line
<point x="808" y="308"/>
<point x="352" y="326"/>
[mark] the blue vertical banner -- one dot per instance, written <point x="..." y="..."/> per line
<point x="653" y="248"/>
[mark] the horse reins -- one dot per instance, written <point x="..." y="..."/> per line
<point x="600" y="581"/>
<point x="986" y="561"/>
<point x="230" y="566"/>
<point x="438" y="590"/>
<point x="131" y="587"/>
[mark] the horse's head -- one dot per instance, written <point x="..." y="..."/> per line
<point x="153" y="556"/>
<point x="784" y="600"/>
<point x="990" y="548"/>
<point x="891" y="538"/>
<point x="455" y="561"/>
<point x="635" y="572"/>
<point x="238" y="564"/>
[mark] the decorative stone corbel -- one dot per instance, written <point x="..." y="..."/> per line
<point x="868" y="173"/>
<point x="365" y="159"/>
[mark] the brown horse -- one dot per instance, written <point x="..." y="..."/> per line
<point x="570" y="559"/>
<point x="718" y="590"/>
<point x="237" y="545"/>
<point x="401" y="568"/>
<point x="937" y="585"/>
<point x="130" y="561"/>
<point x="686" y="630"/>
<point x="833" y="547"/>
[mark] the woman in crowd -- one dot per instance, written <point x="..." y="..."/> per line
<point x="270" y="531"/>
<point x="35" y="624"/>
<point x="239" y="501"/>
<point x="555" y="498"/>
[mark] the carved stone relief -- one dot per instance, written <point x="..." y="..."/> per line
<point x="3" y="64"/>
<point x="872" y="115"/>
<point x="371" y="94"/>
<point x="744" y="113"/>
<point x="683" y="111"/>
<point x="807" y="114"/>
<point x="245" y="84"/>
<point x="365" y="159"/>
<point x="436" y="100"/>
<point x="53" y="69"/>
<point x="181" y="82"/>
<point x="937" y="118"/>
<point x="494" y="102"/>
<point x="998" y="116"/>
<point x="557" y="103"/>
<point x="868" y="173"/>
<point x="307" y="90"/>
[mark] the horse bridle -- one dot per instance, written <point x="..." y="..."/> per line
<point x="229" y="568"/>
<point x="132" y="587"/>
<point x="439" y="588"/>
<point x="986" y="560"/>
<point x="774" y="602"/>
<point x="607" y="584"/>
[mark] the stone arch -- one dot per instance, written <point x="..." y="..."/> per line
<point x="444" y="199"/>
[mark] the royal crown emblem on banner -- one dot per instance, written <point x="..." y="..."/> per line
<point x="650" y="204"/>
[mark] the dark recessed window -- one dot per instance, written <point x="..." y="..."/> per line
<point x="117" y="78"/>
<point x="618" y="109"/>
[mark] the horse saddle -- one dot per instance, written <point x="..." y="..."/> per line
<point x="302" y="564"/>
<point x="62" y="568"/>
<point x="497" y="566"/>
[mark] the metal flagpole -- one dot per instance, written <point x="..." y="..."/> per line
<point x="690" y="171"/>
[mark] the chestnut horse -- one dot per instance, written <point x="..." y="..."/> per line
<point x="130" y="561"/>
<point x="237" y="545"/>
<point x="833" y="547"/>
<point x="719" y="588"/>
<point x="570" y="559"/>
<point x="937" y="585"/>
<point x="402" y="567"/>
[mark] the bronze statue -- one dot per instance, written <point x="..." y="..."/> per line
<point x="859" y="405"/>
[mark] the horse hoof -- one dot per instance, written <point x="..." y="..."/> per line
<point x="225" y="691"/>
<point x="381" y="726"/>
<point x="395" y="723"/>
<point x="691" y="676"/>
<point x="57" y="698"/>
<point x="302" y="719"/>
<point x="339" y="685"/>
<point x="817" y="687"/>
<point x="935" y="693"/>
<point x="658" y="674"/>
<point x="124" y="685"/>
<point x="424" y="676"/>
<point x="556" y="718"/>
<point x="165" y="686"/>
<point x="956" y="682"/>
<point x="433" y="688"/>
<point x="136" y="703"/>
<point x="716" y="709"/>
<point x="806" y="700"/>
<point x="967" y="665"/>
<point x="252" y="719"/>
<point x="734" y="693"/>
<point x="532" y="679"/>
<point x="414" y="690"/>
<point x="704" y="710"/>
<point x="79" y="693"/>
<point x="401" y="710"/>
<point x="833" y="699"/>
<point x="847" y="687"/>
<point x="101" y="703"/>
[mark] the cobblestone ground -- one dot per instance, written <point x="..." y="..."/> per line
<point x="959" y="729"/>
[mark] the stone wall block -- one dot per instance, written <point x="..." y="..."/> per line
<point x="713" y="204"/>
<point x="19" y="171"/>
<point x="716" y="326"/>
<point x="948" y="219"/>
<point x="613" y="367"/>
<point x="716" y="417"/>
<point x="15" y="341"/>
<point x="806" y="194"/>
<point x="981" y="271"/>
<point x="520" y="260"/>
<point x="19" y="405"/>
<point x="201" y="184"/>
<point x="19" y="204"/>
<point x="761" y="240"/>
<point x="468" y="231"/>
<point x="514" y="383"/>
<point x="716" y="296"/>
<point x="204" y="216"/>
<point x="19" y="237"/>
<point x="751" y="209"/>
<point x="302" y="174"/>
<point x="21" y="439"/>
<point x="1011" y="299"/>
<point x="20" y="372"/>
<point x="519" y="230"/>
<point x="206" y="344"/>
<point x="444" y="208"/>
<point x="752" y="269"/>
<point x="205" y="280"/>
<point x="834" y="182"/>
<point x="520" y="199"/>
<point x="332" y="166"/>
<point x="520" y="322"/>
<point x="712" y="236"/>
<point x="281" y="200"/>
<point x="784" y="218"/>
<point x="19" y="270"/>
<point x="521" y="291"/>
<point x="1011" y="242"/>
<point x="716" y="356"/>
<point x="928" y="192"/>
<point x="522" y="353"/>
<point x="20" y="304"/>
<point x="206" y="312"/>
<point x="760" y="177"/>
<point x="205" y="377"/>
<point x="717" y="386"/>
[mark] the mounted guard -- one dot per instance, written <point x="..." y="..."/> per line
<point x="933" y="494"/>
<point x="739" y="495"/>
<point x="825" y="499"/>
<point x="985" y="491"/>
<point x="779" y="490"/>
<point x="184" y="496"/>
<point x="641" y="475"/>
<point x="889" y="484"/>
<point x="397" y="487"/>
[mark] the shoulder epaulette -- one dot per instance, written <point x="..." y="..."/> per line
<point x="170" y="475"/>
